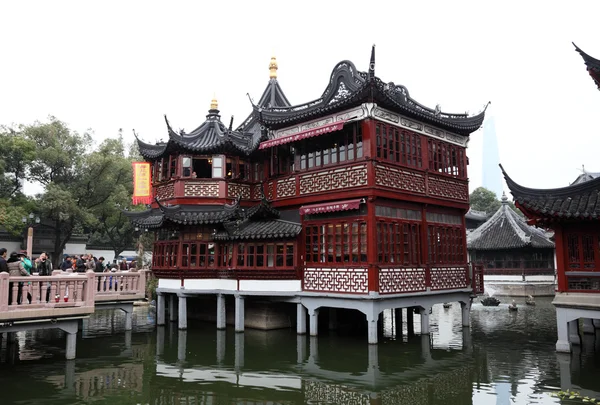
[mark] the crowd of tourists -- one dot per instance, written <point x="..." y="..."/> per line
<point x="20" y="264"/>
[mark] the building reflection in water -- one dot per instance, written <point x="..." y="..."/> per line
<point x="203" y="366"/>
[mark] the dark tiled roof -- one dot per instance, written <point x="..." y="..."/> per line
<point x="593" y="65"/>
<point x="212" y="136"/>
<point x="585" y="176"/>
<point x="272" y="97"/>
<point x="263" y="229"/>
<point x="149" y="219"/>
<point x="507" y="230"/>
<point x="348" y="86"/>
<point x="579" y="201"/>
<point x="476" y="215"/>
<point x="184" y="214"/>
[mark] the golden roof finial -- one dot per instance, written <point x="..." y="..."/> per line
<point x="214" y="105"/>
<point x="273" y="68"/>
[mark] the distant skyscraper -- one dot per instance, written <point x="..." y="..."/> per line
<point x="492" y="177"/>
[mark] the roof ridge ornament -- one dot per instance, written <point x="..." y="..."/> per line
<point x="273" y="68"/>
<point x="504" y="198"/>
<point x="214" y="104"/>
<point x="372" y="63"/>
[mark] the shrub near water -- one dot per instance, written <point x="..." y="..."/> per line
<point x="574" y="397"/>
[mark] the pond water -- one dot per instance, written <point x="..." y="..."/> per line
<point x="504" y="358"/>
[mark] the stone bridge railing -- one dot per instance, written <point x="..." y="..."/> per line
<point x="65" y="294"/>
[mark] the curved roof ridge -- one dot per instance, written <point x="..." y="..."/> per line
<point x="514" y="221"/>
<point x="567" y="191"/>
<point x="478" y="232"/>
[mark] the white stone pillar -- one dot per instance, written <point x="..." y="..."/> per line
<point x="425" y="320"/>
<point x="172" y="308"/>
<point x="372" y="335"/>
<point x="221" y="312"/>
<point x="574" y="337"/>
<point x="160" y="340"/>
<point x="182" y="345"/>
<point x="160" y="309"/>
<point x="588" y="326"/>
<point x="373" y="359"/>
<point x="182" y="312"/>
<point x="71" y="348"/>
<point x="239" y="314"/>
<point x="300" y="319"/>
<point x="426" y="347"/>
<point x="128" y="319"/>
<point x="314" y="322"/>
<point x="466" y="314"/>
<point x="562" y="327"/>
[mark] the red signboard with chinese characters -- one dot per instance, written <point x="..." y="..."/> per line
<point x="142" y="187"/>
<point x="309" y="133"/>
<point x="331" y="207"/>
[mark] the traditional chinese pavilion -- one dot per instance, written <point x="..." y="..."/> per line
<point x="518" y="258"/>
<point x="573" y="213"/>
<point x="354" y="200"/>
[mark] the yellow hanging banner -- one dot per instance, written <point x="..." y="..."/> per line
<point x="142" y="186"/>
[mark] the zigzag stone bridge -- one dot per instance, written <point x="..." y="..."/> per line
<point x="62" y="300"/>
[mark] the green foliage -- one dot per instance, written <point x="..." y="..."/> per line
<point x="482" y="199"/>
<point x="17" y="154"/>
<point x="85" y="187"/>
<point x="574" y="397"/>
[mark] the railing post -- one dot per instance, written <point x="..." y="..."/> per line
<point x="4" y="285"/>
<point x="142" y="282"/>
<point x="90" y="288"/>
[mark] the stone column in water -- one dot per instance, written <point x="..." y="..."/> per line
<point x="239" y="313"/>
<point x="221" y="344"/>
<point x="221" y="312"/>
<point x="239" y="351"/>
<point x="160" y="309"/>
<point x="300" y="319"/>
<point x="182" y="345"/>
<point x="182" y="312"/>
<point x="425" y="320"/>
<point x="71" y="345"/>
<point x="372" y="328"/>
<point x="563" y="343"/>
<point x="313" y="321"/>
<point x="160" y="340"/>
<point x="466" y="314"/>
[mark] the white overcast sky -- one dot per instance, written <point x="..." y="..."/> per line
<point x="107" y="65"/>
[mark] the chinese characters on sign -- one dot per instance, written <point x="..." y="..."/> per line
<point x="302" y="135"/>
<point x="142" y="188"/>
<point x="330" y="207"/>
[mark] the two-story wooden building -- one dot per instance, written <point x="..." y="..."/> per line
<point x="573" y="213"/>
<point x="353" y="200"/>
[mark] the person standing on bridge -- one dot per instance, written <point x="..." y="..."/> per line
<point x="3" y="265"/>
<point x="16" y="269"/>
